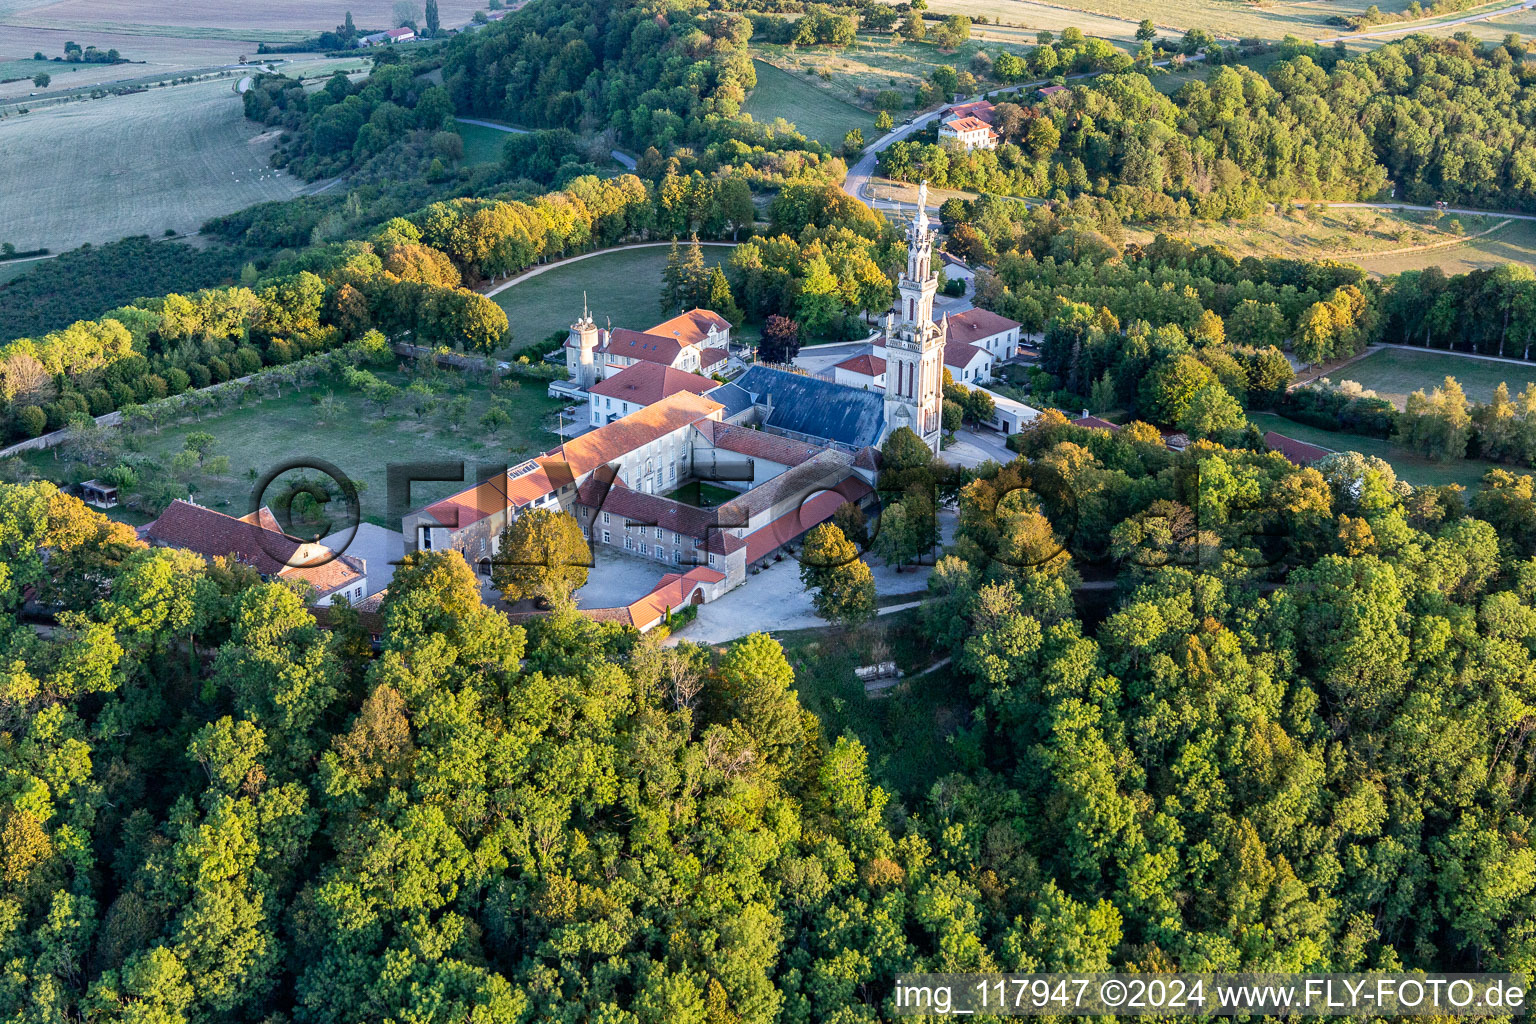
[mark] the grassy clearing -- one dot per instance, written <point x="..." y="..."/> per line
<point x="907" y="733"/>
<point x="353" y="437"/>
<point x="622" y="287"/>
<point x="1353" y="235"/>
<point x="129" y="165"/>
<point x="482" y="145"/>
<point x="703" y="495"/>
<point x="1396" y="373"/>
<point x="815" y="112"/>
<point x="1515" y="242"/>
<point x="1410" y="466"/>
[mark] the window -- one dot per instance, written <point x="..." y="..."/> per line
<point x="660" y="533"/>
<point x="585" y="534"/>
<point x="605" y="517"/>
<point x="607" y="539"/>
<point x="629" y="543"/>
<point x="711" y="559"/>
<point x="676" y="539"/>
<point x="674" y="474"/>
<point x="426" y="538"/>
<point x="607" y="403"/>
<point x="643" y="551"/>
<point x="677" y="554"/>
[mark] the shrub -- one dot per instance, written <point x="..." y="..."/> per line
<point x="32" y="420"/>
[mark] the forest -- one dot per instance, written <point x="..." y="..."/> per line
<point x="1436" y="119"/>
<point x="1299" y="741"/>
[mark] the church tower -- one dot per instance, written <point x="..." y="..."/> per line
<point x="581" y="349"/>
<point x="914" y="345"/>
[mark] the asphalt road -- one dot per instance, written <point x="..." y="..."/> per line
<point x="1420" y="26"/>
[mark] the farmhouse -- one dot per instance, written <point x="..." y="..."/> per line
<point x="258" y="541"/>
<point x="968" y="133"/>
<point x="986" y="330"/>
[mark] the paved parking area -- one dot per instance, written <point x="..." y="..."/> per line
<point x="378" y="547"/>
<point x="618" y="579"/>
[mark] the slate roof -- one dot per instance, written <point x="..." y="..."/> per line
<point x="817" y="408"/>
<point x="649" y="383"/>
<point x="733" y="398"/>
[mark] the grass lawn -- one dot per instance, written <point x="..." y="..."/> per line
<point x="482" y="145"/>
<point x="1396" y="373"/>
<point x="1222" y="17"/>
<point x="130" y="165"/>
<point x="1515" y="242"/>
<point x="818" y="114"/>
<point x="623" y="287"/>
<point x="355" y="439"/>
<point x="702" y="495"/>
<point x="1374" y="239"/>
<point x="907" y="732"/>
<point x="1410" y="466"/>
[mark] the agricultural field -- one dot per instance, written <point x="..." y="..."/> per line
<point x="333" y="422"/>
<point x="1395" y="373"/>
<point x="129" y="165"/>
<point x="817" y="113"/>
<point x="621" y="287"/>
<point x="1410" y="465"/>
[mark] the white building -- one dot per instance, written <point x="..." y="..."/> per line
<point x="866" y="371"/>
<point x="985" y="330"/>
<point x="968" y="133"/>
<point x="1009" y="416"/>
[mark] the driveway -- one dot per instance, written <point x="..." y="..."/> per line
<point x="775" y="599"/>
<point x="379" y="548"/>
<point x="971" y="448"/>
<point x="619" y="579"/>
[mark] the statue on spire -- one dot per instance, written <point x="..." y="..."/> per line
<point x="921" y="221"/>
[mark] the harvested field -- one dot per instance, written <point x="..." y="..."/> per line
<point x="129" y="165"/>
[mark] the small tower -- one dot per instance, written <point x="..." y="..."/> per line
<point x="581" y="348"/>
<point x="914" y="344"/>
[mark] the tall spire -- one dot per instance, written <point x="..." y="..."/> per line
<point x="922" y="206"/>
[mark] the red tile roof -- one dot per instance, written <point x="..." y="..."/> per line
<point x="692" y="327"/>
<point x="673" y="591"/>
<point x="763" y="542"/>
<point x="962" y="355"/>
<point x="758" y="444"/>
<point x="978" y="324"/>
<point x="212" y="534"/>
<point x="646" y="509"/>
<point x="622" y="436"/>
<point x="1299" y="452"/>
<point x="653" y="348"/>
<point x="649" y="383"/>
<point x="979" y="109"/>
<point x="1094" y="423"/>
<point x="713" y="357"/>
<point x="516" y="488"/>
<point x="869" y="366"/>
<point x="967" y="124"/>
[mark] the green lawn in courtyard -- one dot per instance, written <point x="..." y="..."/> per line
<point x="703" y="495"/>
